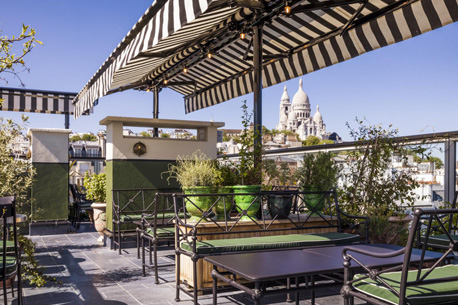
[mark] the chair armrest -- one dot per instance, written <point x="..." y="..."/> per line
<point x="372" y="254"/>
<point x="366" y="222"/>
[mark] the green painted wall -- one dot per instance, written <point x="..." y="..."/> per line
<point x="134" y="174"/>
<point x="50" y="192"/>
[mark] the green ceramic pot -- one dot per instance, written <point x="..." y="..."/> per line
<point x="316" y="202"/>
<point x="243" y="202"/>
<point x="280" y="205"/>
<point x="202" y="202"/>
<point x="223" y="201"/>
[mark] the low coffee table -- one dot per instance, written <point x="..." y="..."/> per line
<point x="261" y="267"/>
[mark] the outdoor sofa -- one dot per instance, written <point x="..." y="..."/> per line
<point x="333" y="227"/>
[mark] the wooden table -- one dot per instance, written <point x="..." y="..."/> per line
<point x="204" y="279"/>
<point x="267" y="266"/>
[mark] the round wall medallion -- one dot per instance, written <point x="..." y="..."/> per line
<point x="139" y="148"/>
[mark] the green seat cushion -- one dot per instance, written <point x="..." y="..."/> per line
<point x="10" y="264"/>
<point x="162" y="232"/>
<point x="9" y="246"/>
<point x="417" y="295"/>
<point x="134" y="217"/>
<point x="440" y="240"/>
<point x="272" y="242"/>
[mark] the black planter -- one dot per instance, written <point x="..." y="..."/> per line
<point x="280" y="205"/>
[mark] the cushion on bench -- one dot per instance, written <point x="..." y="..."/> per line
<point x="162" y="232"/>
<point x="134" y="217"/>
<point x="272" y="242"/>
<point x="417" y="295"/>
<point x="440" y="240"/>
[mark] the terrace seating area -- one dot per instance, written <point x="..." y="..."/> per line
<point x="93" y="274"/>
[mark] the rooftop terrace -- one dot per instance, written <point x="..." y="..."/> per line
<point x="93" y="274"/>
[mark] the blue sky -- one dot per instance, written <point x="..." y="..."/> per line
<point x="412" y="85"/>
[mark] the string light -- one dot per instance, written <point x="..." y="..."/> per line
<point x="242" y="35"/>
<point x="185" y="70"/>
<point x="209" y="55"/>
<point x="148" y="89"/>
<point x="287" y="8"/>
<point x="165" y="81"/>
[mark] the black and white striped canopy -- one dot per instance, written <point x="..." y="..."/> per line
<point x="38" y="101"/>
<point x="174" y="34"/>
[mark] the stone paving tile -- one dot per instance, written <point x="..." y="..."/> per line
<point x="93" y="274"/>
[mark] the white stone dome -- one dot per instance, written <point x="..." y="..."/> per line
<point x="300" y="99"/>
<point x="317" y="116"/>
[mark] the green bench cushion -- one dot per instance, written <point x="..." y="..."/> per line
<point x="272" y="242"/>
<point x="162" y="232"/>
<point x="134" y="217"/>
<point x="417" y="295"/>
<point x="440" y="240"/>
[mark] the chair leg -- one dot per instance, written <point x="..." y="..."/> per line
<point x="138" y="244"/>
<point x="155" y="261"/>
<point x="119" y="237"/>
<point x="143" y="257"/>
<point x="194" y="280"/>
<point x="12" y="286"/>
<point x="177" y="277"/>
<point x="5" y="296"/>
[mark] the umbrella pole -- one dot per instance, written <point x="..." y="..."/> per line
<point x="156" y="108"/>
<point x="257" y="94"/>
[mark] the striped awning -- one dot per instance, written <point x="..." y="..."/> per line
<point x="38" y="101"/>
<point x="175" y="34"/>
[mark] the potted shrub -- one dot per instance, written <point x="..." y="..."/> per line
<point x="227" y="178"/>
<point x="196" y="174"/>
<point x="278" y="178"/>
<point x="96" y="190"/>
<point x="318" y="173"/>
<point x="249" y="172"/>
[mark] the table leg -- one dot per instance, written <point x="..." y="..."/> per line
<point x="288" y="295"/>
<point x="215" y="286"/>
<point x="312" y="283"/>
<point x="297" y="293"/>
<point x="257" y="293"/>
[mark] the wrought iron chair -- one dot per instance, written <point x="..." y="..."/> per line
<point x="155" y="228"/>
<point x="441" y="232"/>
<point x="11" y="256"/>
<point x="406" y="283"/>
<point x="78" y="204"/>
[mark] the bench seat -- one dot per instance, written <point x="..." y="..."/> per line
<point x="136" y="217"/>
<point x="272" y="242"/>
<point x="162" y="232"/>
<point x="417" y="295"/>
<point x="440" y="240"/>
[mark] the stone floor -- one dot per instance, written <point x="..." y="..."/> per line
<point x="93" y="274"/>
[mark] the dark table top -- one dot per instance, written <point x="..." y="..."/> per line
<point x="264" y="266"/>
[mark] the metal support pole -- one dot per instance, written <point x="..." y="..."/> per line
<point x="450" y="170"/>
<point x="156" y="108"/>
<point x="67" y="121"/>
<point x="257" y="93"/>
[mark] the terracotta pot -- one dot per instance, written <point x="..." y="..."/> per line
<point x="100" y="221"/>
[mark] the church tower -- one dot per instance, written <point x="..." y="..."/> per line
<point x="285" y="107"/>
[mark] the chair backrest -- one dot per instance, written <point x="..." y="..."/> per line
<point x="433" y="216"/>
<point x="8" y="210"/>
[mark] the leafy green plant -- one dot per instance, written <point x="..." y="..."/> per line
<point x="371" y="187"/>
<point x="318" y="171"/>
<point x="227" y="174"/>
<point x="280" y="175"/>
<point x="249" y="169"/>
<point x="16" y="178"/>
<point x="8" y="58"/>
<point x="95" y="186"/>
<point x="194" y="170"/>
